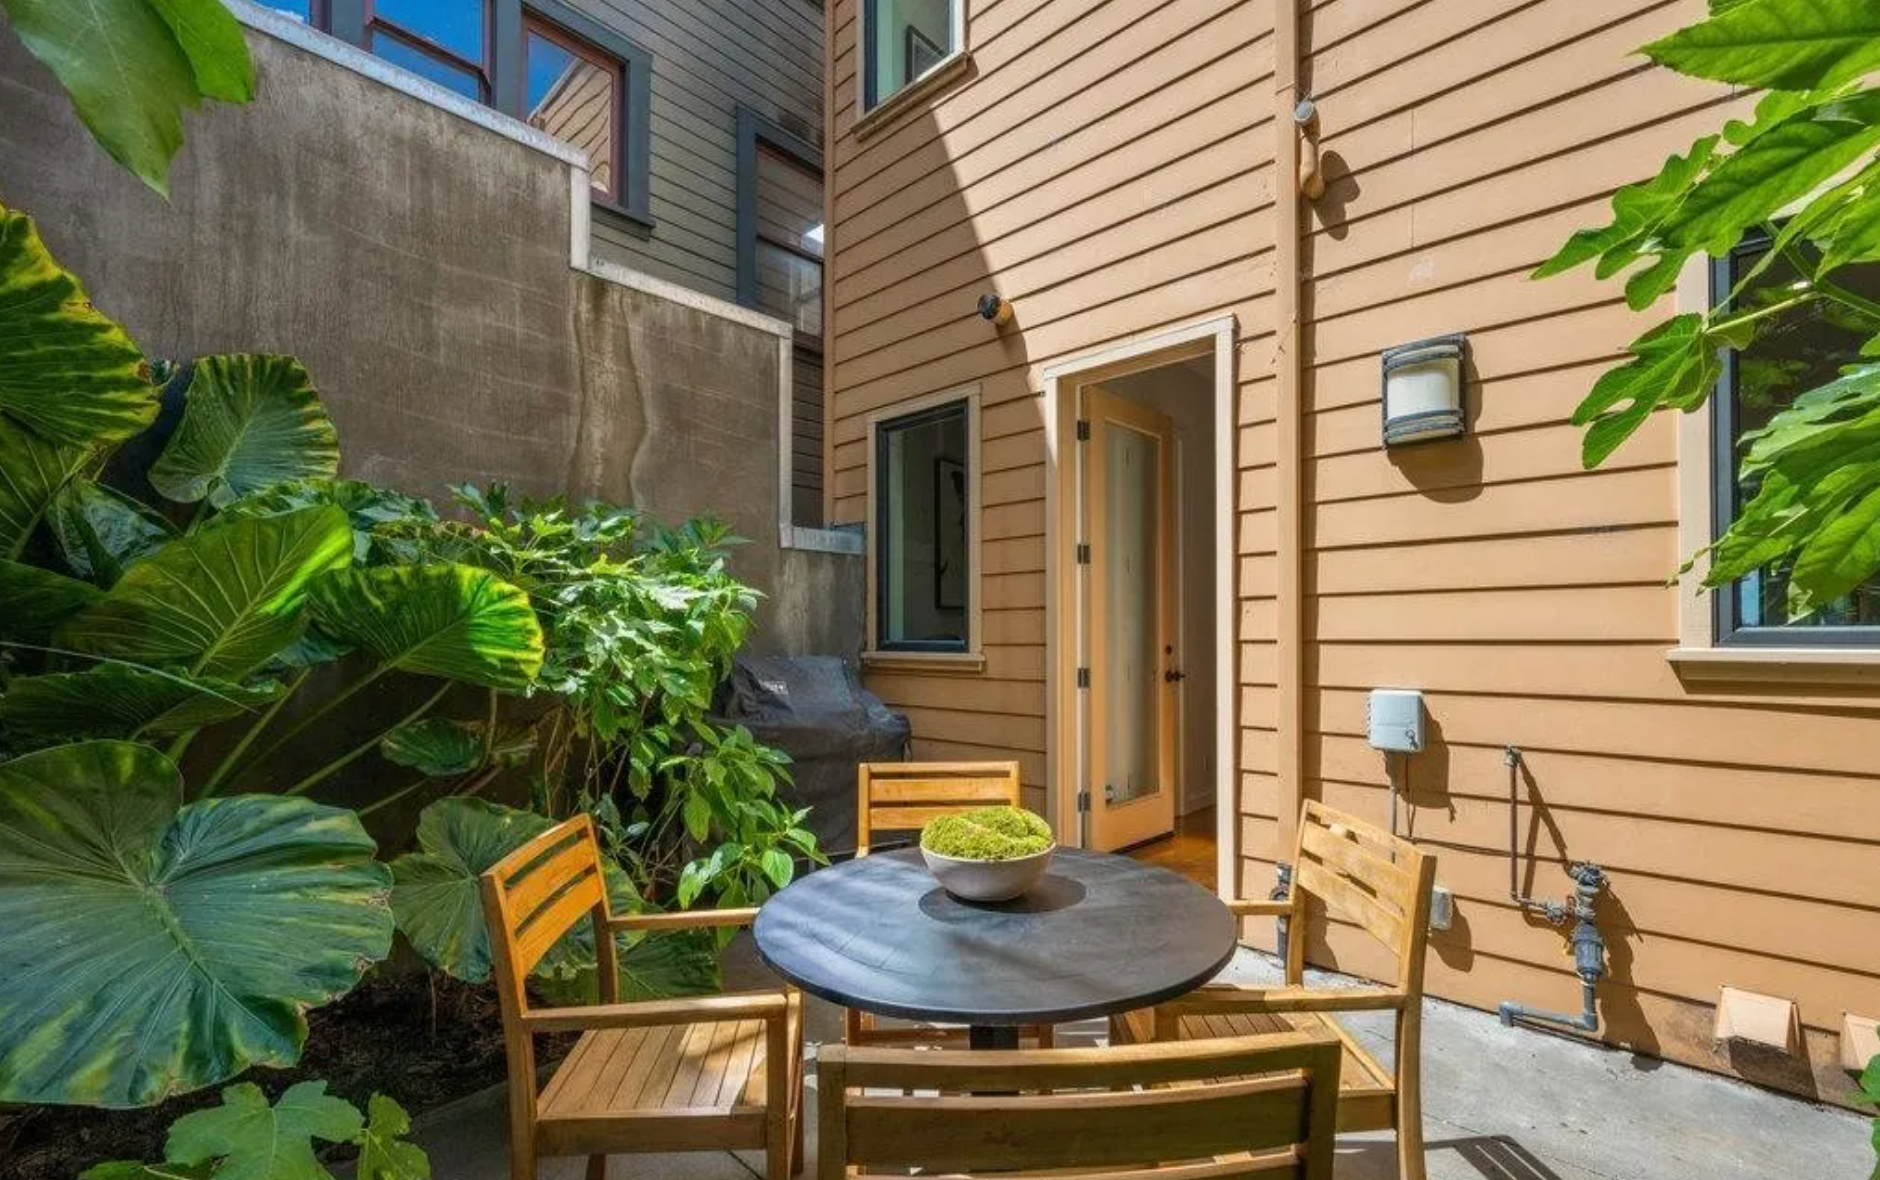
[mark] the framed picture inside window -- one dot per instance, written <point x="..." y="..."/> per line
<point x="949" y="534"/>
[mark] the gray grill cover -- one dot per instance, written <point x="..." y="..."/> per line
<point x="815" y="709"/>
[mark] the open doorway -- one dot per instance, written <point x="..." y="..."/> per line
<point x="1143" y="623"/>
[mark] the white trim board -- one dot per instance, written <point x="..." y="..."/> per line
<point x="1064" y="638"/>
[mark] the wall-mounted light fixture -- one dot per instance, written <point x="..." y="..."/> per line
<point x="1423" y="386"/>
<point x="995" y="310"/>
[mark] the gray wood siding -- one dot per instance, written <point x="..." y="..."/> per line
<point x="709" y="56"/>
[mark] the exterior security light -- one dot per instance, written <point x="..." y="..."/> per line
<point x="1423" y="390"/>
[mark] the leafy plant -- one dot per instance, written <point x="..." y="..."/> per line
<point x="132" y="67"/>
<point x="1870" y="1096"/>
<point x="988" y="833"/>
<point x="1803" y="173"/>
<point x="132" y="926"/>
<point x="246" y="1138"/>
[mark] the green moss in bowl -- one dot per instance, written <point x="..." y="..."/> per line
<point x="988" y="833"/>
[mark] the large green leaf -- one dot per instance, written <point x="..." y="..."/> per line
<point x="132" y="1170"/>
<point x="249" y="422"/>
<point x="100" y="532"/>
<point x="371" y="508"/>
<point x="114" y="700"/>
<point x="1777" y="44"/>
<point x="146" y="949"/>
<point x="435" y="746"/>
<point x="34" y="601"/>
<point x="220" y="601"/>
<point x="66" y="371"/>
<point x="32" y="471"/>
<point x="132" y="67"/>
<point x="445" y="620"/>
<point x="255" y="1141"/>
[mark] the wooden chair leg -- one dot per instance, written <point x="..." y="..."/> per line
<point x="1410" y="1096"/>
<point x="852" y="1026"/>
<point x="1047" y="1036"/>
<point x="597" y="1167"/>
<point x="521" y="1138"/>
<point x="796" y="1140"/>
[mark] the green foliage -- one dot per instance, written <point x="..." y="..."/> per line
<point x="114" y="700"/>
<point x="438" y="747"/>
<point x="132" y="67"/>
<point x="988" y="833"/>
<point x="100" y="531"/>
<point x="220" y="601"/>
<point x="249" y="423"/>
<point x="1802" y="172"/>
<point x="131" y="927"/>
<point x="245" y="1138"/>
<point x="453" y="621"/>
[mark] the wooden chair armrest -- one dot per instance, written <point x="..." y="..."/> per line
<point x="1230" y="997"/>
<point x="767" y="1006"/>
<point x="684" y="919"/>
<point x="1248" y="908"/>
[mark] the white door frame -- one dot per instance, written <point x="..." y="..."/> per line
<point x="1066" y="720"/>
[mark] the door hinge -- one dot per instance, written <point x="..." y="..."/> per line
<point x="1083" y="800"/>
<point x="1083" y="553"/>
<point x="1083" y="678"/>
<point x="1083" y="430"/>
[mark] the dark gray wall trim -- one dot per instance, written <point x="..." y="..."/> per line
<point x="755" y="128"/>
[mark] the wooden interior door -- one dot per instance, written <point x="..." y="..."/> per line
<point x="1129" y="524"/>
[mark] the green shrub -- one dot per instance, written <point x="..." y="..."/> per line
<point x="990" y="833"/>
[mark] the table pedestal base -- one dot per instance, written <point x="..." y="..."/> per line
<point x="992" y="1036"/>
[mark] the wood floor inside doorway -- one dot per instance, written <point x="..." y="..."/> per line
<point x="1190" y="851"/>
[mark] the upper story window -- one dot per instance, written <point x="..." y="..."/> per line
<point x="903" y="41"/>
<point x="572" y="90"/>
<point x="538" y="60"/>
<point x="1802" y="350"/>
<point x="924" y="501"/>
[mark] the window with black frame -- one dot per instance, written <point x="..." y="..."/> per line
<point x="1796" y="352"/>
<point x="923" y="555"/>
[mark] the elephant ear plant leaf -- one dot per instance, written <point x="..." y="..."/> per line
<point x="249" y="423"/>
<point x="444" y="620"/>
<point x="67" y="372"/>
<point x="32" y="471"/>
<point x="148" y="949"/>
<point x="100" y="531"/>
<point x="220" y="601"/>
<point x="435" y="747"/>
<point x="132" y="67"/>
<point x="34" y="601"/>
<point x="1796" y="187"/>
<point x="115" y="700"/>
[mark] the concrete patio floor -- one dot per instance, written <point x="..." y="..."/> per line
<point x="1499" y="1104"/>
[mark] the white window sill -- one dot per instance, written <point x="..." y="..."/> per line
<point x="1781" y="665"/>
<point x="888" y="109"/>
<point x="956" y="663"/>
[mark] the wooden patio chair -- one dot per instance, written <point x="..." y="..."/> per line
<point x="1193" y="1110"/>
<point x="902" y="797"/>
<point x="693" y="1074"/>
<point x="1363" y="875"/>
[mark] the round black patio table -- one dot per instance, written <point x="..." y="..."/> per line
<point x="1099" y="934"/>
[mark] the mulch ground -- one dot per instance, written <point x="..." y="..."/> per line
<point x="422" y="1039"/>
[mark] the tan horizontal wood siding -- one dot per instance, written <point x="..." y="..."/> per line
<point x="1106" y="169"/>
<point x="1525" y="596"/>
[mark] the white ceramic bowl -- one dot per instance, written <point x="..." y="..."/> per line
<point x="988" y="880"/>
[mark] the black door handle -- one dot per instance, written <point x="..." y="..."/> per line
<point x="1174" y="676"/>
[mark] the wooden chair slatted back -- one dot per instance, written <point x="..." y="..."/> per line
<point x="1271" y="1101"/>
<point x="537" y="894"/>
<point x="905" y="796"/>
<point x="1364" y="875"/>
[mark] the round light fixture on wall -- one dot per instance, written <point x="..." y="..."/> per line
<point x="1423" y="387"/>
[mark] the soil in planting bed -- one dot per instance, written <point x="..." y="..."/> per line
<point x="423" y="1039"/>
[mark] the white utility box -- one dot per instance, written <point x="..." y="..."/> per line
<point x="1396" y="720"/>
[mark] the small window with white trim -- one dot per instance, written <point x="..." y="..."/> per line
<point x="1800" y="350"/>
<point x="923" y="530"/>
<point x="905" y="40"/>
